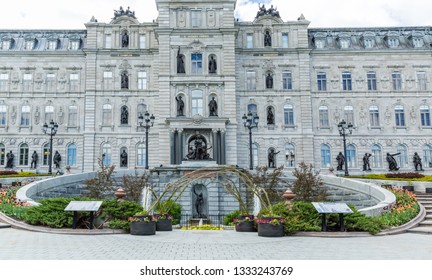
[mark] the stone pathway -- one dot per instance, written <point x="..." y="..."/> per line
<point x="425" y="226"/>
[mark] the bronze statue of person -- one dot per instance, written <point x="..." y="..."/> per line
<point x="340" y="160"/>
<point x="366" y="163"/>
<point x="392" y="162"/>
<point x="180" y="106"/>
<point x="270" y="116"/>
<point x="124" y="80"/>
<point x="269" y="81"/>
<point x="125" y="40"/>
<point x="212" y="65"/>
<point x="124" y="115"/>
<point x="272" y="158"/>
<point x="267" y="39"/>
<point x="417" y="162"/>
<point x="180" y="62"/>
<point x="57" y="159"/>
<point x="199" y="202"/>
<point x="34" y="160"/>
<point x="123" y="159"/>
<point x="10" y="158"/>
<point x="213" y="107"/>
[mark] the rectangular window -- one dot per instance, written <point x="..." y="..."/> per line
<point x="371" y="81"/>
<point x="285" y="40"/>
<point x="196" y="60"/>
<point x="374" y="116"/>
<point x="74" y="45"/>
<point x="287" y="80"/>
<point x="27" y="82"/>
<point x="73" y="116"/>
<point x="25" y="115"/>
<point x="49" y="113"/>
<point x="142" y="80"/>
<point x="142" y="41"/>
<point x="369" y="43"/>
<point x="421" y="81"/>
<point x="2" y="154"/>
<point x="249" y="40"/>
<point x="346" y="81"/>
<point x="52" y="45"/>
<point x="71" y="155"/>
<point x="107" y="80"/>
<point x="50" y="82"/>
<point x="197" y="103"/>
<point x="250" y="80"/>
<point x="322" y="81"/>
<point x="29" y="45"/>
<point x="349" y="114"/>
<point x="6" y="45"/>
<point x="425" y="116"/>
<point x="400" y="116"/>
<point x="24" y="155"/>
<point x="74" y="82"/>
<point x="288" y="115"/>
<point x="323" y="116"/>
<point x="397" y="81"/>
<point x="196" y="18"/>
<point x="4" y="81"/>
<point x="108" y="43"/>
<point x="3" y="114"/>
<point x="106" y="114"/>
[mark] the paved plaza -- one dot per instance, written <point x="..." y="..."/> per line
<point x="16" y="244"/>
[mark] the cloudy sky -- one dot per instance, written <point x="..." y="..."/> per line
<point x="59" y="14"/>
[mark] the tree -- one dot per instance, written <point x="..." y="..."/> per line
<point x="103" y="184"/>
<point x="308" y="186"/>
<point x="133" y="185"/>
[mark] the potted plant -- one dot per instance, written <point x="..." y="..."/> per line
<point x="245" y="223"/>
<point x="163" y="222"/>
<point x="270" y="227"/>
<point x="409" y="186"/>
<point x="141" y="225"/>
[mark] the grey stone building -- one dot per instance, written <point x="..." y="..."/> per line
<point x="198" y="70"/>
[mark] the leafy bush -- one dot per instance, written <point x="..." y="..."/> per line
<point x="113" y="209"/>
<point x="308" y="186"/>
<point x="50" y="213"/>
<point x="134" y="185"/>
<point x="229" y="218"/>
<point x="404" y="175"/>
<point x="8" y="172"/>
<point x="119" y="224"/>
<point x="102" y="185"/>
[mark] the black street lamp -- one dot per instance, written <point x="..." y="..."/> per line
<point x="50" y="130"/>
<point x="344" y="130"/>
<point x="250" y="121"/>
<point x="149" y="121"/>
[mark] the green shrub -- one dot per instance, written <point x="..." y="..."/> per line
<point x="113" y="209"/>
<point x="228" y="219"/>
<point x="174" y="210"/>
<point x="119" y="224"/>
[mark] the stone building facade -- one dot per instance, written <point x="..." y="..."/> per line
<point x="301" y="82"/>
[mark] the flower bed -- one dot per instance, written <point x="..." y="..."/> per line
<point x="9" y="204"/>
<point x="406" y="208"/>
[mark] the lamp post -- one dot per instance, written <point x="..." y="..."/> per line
<point x="344" y="130"/>
<point x="50" y="130"/>
<point x="146" y="121"/>
<point x="250" y="121"/>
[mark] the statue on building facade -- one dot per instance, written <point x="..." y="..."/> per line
<point x="124" y="80"/>
<point x="180" y="106"/>
<point x="392" y="162"/>
<point x="269" y="81"/>
<point x="366" y="163"/>
<point x="180" y="63"/>
<point x="34" y="161"/>
<point x="199" y="203"/>
<point x="121" y="12"/>
<point x="417" y="162"/>
<point x="340" y="161"/>
<point x="262" y="11"/>
<point x="212" y="65"/>
<point x="124" y="116"/>
<point x="270" y="116"/>
<point x="272" y="158"/>
<point x="10" y="158"/>
<point x="213" y="107"/>
<point x="57" y="159"/>
<point x="267" y="39"/>
<point x="197" y="149"/>
<point x="125" y="40"/>
<point x="123" y="159"/>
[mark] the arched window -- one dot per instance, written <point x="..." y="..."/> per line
<point x="351" y="156"/>
<point x="289" y="115"/>
<point x="323" y="116"/>
<point x="107" y="114"/>
<point x="290" y="155"/>
<point x="402" y="158"/>
<point x="427" y="155"/>
<point x="71" y="154"/>
<point x="2" y="154"/>
<point x="45" y="154"/>
<point x="24" y="154"/>
<point x="106" y="154"/>
<point x="197" y="102"/>
<point x="376" y="156"/>
<point x="325" y="156"/>
<point x="141" y="154"/>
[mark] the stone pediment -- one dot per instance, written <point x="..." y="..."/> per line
<point x="267" y="19"/>
<point x="124" y="20"/>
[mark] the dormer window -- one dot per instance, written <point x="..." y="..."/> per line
<point x="74" y="45"/>
<point x="417" y="42"/>
<point x="345" y="43"/>
<point x="29" y="44"/>
<point x="320" y="40"/>
<point x="393" y="42"/>
<point x="52" y="45"/>
<point x="320" y="44"/>
<point x="369" y="43"/>
<point x="6" y="45"/>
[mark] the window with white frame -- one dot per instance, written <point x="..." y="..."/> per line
<point x="25" y="115"/>
<point x="196" y="63"/>
<point x="425" y="116"/>
<point x="141" y="154"/>
<point x="142" y="41"/>
<point x="74" y="82"/>
<point x="397" y="81"/>
<point x="52" y="45"/>
<point x="351" y="156"/>
<point x="402" y="158"/>
<point x="421" y="81"/>
<point x="108" y="43"/>
<point x="196" y="18"/>
<point x="376" y="156"/>
<point x="371" y="81"/>
<point x="287" y="80"/>
<point x="320" y="44"/>
<point x="6" y="45"/>
<point x="73" y="116"/>
<point x="45" y="154"/>
<point x="23" y="154"/>
<point x="71" y="158"/>
<point x="289" y="115"/>
<point x="290" y="155"/>
<point x="417" y="42"/>
<point x="369" y="43"/>
<point x="284" y="40"/>
<point x="50" y="82"/>
<point x="108" y="80"/>
<point x="106" y="154"/>
<point x="427" y="155"/>
<point x="323" y="116"/>
<point x="349" y="114"/>
<point x="4" y="81"/>
<point x="250" y="80"/>
<point x="345" y="43"/>
<point x="399" y="116"/>
<point x="325" y="156"/>
<point x="374" y="116"/>
<point x="197" y="102"/>
<point x="249" y="40"/>
<point x="107" y="114"/>
<point x="74" y="45"/>
<point x="142" y="80"/>
<point x="49" y="113"/>
<point x="27" y="82"/>
<point x="346" y="81"/>
<point x="322" y="81"/>
<point x="393" y="42"/>
<point x="29" y="45"/>
<point x="3" y="114"/>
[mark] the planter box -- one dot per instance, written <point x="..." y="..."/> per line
<point x="408" y="188"/>
<point x="428" y="190"/>
<point x="269" y="230"/>
<point x="245" y="227"/>
<point x="143" y="228"/>
<point x="164" y="225"/>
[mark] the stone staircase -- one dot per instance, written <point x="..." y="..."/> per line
<point x="425" y="226"/>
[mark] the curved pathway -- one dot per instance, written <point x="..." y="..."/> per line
<point x="206" y="245"/>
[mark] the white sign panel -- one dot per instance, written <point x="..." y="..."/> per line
<point x="331" y="207"/>
<point x="83" y="206"/>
